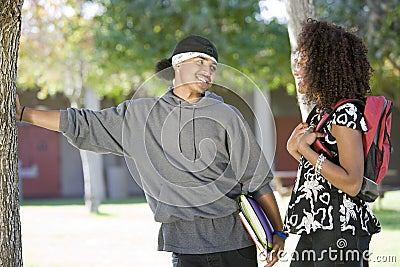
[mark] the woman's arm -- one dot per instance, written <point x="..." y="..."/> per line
<point x="49" y="119"/>
<point x="347" y="176"/>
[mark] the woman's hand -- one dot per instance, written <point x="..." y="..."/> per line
<point x="308" y="138"/>
<point x="292" y="144"/>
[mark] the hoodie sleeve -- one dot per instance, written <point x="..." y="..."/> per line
<point x="248" y="160"/>
<point x="97" y="131"/>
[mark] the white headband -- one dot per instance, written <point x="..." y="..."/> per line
<point x="185" y="56"/>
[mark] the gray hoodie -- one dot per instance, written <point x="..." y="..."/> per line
<point x="191" y="159"/>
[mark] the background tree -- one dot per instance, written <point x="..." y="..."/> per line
<point x="298" y="12"/>
<point x="375" y="21"/>
<point x="10" y="225"/>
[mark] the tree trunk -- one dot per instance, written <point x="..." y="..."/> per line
<point x="92" y="164"/>
<point x="10" y="224"/>
<point x="297" y="12"/>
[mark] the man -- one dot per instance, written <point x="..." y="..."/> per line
<point x="194" y="155"/>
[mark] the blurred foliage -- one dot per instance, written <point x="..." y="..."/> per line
<point x="134" y="35"/>
<point x="56" y="48"/>
<point x="378" y="24"/>
<point x="66" y="46"/>
<point x="113" y="45"/>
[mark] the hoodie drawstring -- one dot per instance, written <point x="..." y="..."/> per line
<point x="208" y="99"/>
<point x="194" y="133"/>
<point x="180" y="129"/>
<point x="193" y="130"/>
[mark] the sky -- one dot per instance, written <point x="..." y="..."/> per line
<point x="271" y="9"/>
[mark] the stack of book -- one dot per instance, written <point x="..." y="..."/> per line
<point x="256" y="223"/>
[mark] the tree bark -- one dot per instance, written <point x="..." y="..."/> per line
<point x="10" y="224"/>
<point x="297" y="12"/>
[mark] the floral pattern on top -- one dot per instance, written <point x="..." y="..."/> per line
<point x="311" y="206"/>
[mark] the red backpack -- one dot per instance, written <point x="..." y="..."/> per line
<point x="376" y="141"/>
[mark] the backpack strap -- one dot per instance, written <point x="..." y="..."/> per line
<point x="318" y="145"/>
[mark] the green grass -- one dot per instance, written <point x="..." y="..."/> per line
<point x="389" y="219"/>
<point x="386" y="244"/>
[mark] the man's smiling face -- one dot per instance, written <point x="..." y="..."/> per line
<point x="198" y="73"/>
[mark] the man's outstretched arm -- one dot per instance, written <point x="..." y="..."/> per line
<point x="49" y="119"/>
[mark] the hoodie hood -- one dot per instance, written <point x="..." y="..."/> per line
<point x="208" y="99"/>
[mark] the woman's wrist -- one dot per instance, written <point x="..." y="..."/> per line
<point x="302" y="148"/>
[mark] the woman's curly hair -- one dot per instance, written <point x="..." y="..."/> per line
<point x="336" y="66"/>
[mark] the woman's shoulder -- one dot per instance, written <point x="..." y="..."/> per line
<point x="351" y="115"/>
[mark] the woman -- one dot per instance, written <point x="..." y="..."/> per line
<point x="334" y="225"/>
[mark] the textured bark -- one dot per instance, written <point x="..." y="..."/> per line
<point x="10" y="225"/>
<point x="298" y="11"/>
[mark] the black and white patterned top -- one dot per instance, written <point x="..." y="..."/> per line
<point x="310" y="207"/>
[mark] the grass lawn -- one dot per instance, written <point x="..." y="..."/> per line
<point x="385" y="246"/>
<point x="62" y="233"/>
